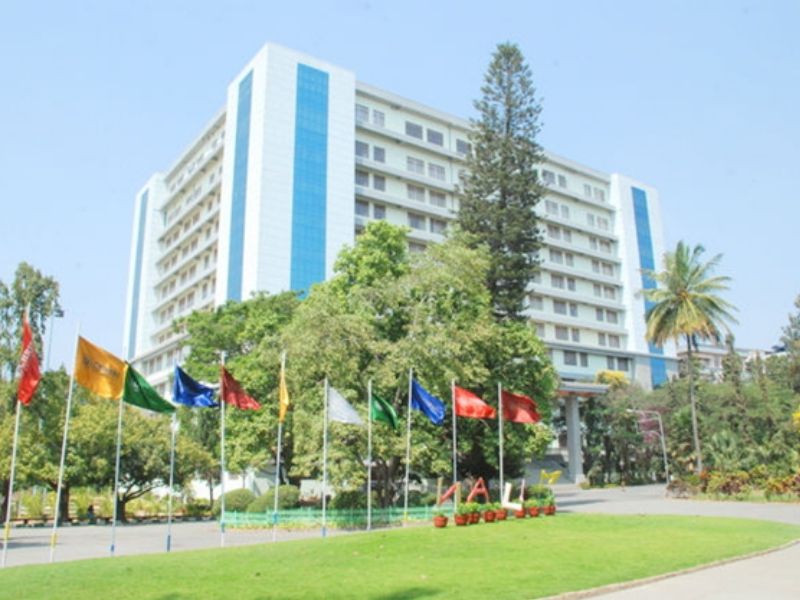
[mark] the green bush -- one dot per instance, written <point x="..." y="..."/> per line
<point x="353" y="499"/>
<point x="197" y="508"/>
<point x="235" y="501"/>
<point x="288" y="497"/>
<point x="539" y="491"/>
<point x="728" y="484"/>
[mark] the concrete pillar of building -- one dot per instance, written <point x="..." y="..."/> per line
<point x="575" y="456"/>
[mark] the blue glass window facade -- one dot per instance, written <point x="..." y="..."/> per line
<point x="310" y="178"/>
<point x="239" y="191"/>
<point x="137" y="274"/>
<point x="658" y="367"/>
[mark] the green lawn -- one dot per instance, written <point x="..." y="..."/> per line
<point x="516" y="559"/>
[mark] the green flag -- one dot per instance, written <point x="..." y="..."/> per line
<point x="140" y="393"/>
<point x="383" y="411"/>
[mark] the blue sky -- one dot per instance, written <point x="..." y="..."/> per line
<point x="699" y="99"/>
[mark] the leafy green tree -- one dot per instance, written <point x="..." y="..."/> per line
<point x="500" y="188"/>
<point x="686" y="304"/>
<point x="791" y="340"/>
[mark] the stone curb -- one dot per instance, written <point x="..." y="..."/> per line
<point x="618" y="587"/>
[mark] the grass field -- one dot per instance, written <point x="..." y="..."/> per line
<point x="516" y="559"/>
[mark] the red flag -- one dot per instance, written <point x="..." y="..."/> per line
<point x="232" y="393"/>
<point x="28" y="369"/>
<point x="520" y="409"/>
<point x="469" y="405"/>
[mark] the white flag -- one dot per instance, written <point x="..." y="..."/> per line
<point x="340" y="409"/>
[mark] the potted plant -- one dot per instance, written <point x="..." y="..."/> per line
<point x="489" y="512"/>
<point x="439" y="519"/>
<point x="532" y="506"/>
<point x="501" y="514"/>
<point x="521" y="512"/>
<point x="462" y="516"/>
<point x="474" y="512"/>
<point x="550" y="508"/>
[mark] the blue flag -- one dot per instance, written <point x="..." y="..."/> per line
<point x="423" y="400"/>
<point x="189" y="392"/>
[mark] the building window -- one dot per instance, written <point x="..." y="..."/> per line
<point x="551" y="207"/>
<point x="554" y="232"/>
<point x="608" y="269"/>
<point x="379" y="182"/>
<point x="435" y="137"/>
<point x="596" y="266"/>
<point x="438" y="226"/>
<point x="540" y="329"/>
<point x="609" y="292"/>
<point x="362" y="113"/>
<point x="587" y="190"/>
<point x="415" y="193"/>
<point x="584" y="359"/>
<point x="605" y="246"/>
<point x="601" y="339"/>
<point x="379" y="154"/>
<point x="567" y="235"/>
<point x="611" y="316"/>
<point x="378" y="118"/>
<point x="570" y="358"/>
<point x="437" y="198"/>
<point x="557" y="281"/>
<point x="379" y="211"/>
<point x="569" y="259"/>
<point x="556" y="256"/>
<point x="623" y="364"/>
<point x="362" y="149"/>
<point x="413" y="130"/>
<point x="593" y="242"/>
<point x="548" y="177"/>
<point x="559" y="307"/>
<point x="415" y="165"/>
<point x="463" y="147"/>
<point x="613" y="341"/>
<point x="610" y="363"/>
<point x="576" y="335"/>
<point x="362" y="178"/>
<point x="573" y="309"/>
<point x="599" y="314"/>
<point x="562" y="333"/>
<point x="599" y="195"/>
<point x="602" y="223"/>
<point x="562" y="181"/>
<point x="598" y="291"/>
<point x="362" y="208"/>
<point x="416" y="221"/>
<point x="590" y="219"/>
<point x="536" y="302"/>
<point x="435" y="171"/>
<point x="571" y="286"/>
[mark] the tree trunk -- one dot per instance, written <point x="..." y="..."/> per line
<point x="63" y="510"/>
<point x="4" y="485"/>
<point x="121" y="503"/>
<point x="695" y="432"/>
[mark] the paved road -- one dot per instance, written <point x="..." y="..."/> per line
<point x="32" y="545"/>
<point x="773" y="576"/>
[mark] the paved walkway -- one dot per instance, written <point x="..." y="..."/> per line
<point x="772" y="576"/>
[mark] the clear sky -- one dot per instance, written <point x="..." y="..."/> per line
<point x="699" y="99"/>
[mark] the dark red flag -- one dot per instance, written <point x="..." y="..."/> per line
<point x="520" y="409"/>
<point x="28" y="369"/>
<point x="232" y="393"/>
<point x="469" y="405"/>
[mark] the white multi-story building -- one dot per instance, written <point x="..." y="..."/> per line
<point x="303" y="156"/>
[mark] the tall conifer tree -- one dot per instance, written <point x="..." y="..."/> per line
<point x="500" y="188"/>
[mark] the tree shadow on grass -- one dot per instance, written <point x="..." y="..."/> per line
<point x="408" y="594"/>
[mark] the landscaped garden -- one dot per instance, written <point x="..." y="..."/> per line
<point x="515" y="559"/>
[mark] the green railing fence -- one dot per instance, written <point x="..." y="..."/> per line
<point x="341" y="518"/>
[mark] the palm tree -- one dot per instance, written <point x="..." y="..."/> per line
<point x="685" y="305"/>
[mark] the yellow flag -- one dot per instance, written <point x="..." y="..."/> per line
<point x="283" y="396"/>
<point x="99" y="371"/>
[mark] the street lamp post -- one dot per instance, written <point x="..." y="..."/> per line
<point x="661" y="435"/>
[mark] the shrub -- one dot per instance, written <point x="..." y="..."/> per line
<point x="235" y="501"/>
<point x="353" y="499"/>
<point x="417" y="498"/>
<point x="539" y="491"/>
<point x="288" y="497"/>
<point x="759" y="476"/>
<point x="728" y="484"/>
<point x="197" y="508"/>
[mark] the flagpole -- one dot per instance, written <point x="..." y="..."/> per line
<point x="325" y="460"/>
<point x="455" y="444"/>
<point x="278" y="458"/>
<point x="116" y="479"/>
<point x="64" y="449"/>
<point x="408" y="448"/>
<point x="500" y="434"/>
<point x="174" y="428"/>
<point x="9" y="499"/>
<point x="222" y="458"/>
<point x="369" y="455"/>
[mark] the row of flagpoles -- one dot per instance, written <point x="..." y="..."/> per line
<point x="110" y="377"/>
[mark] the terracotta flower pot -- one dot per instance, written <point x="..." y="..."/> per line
<point x="501" y="515"/>
<point x="550" y="510"/>
<point x="533" y="511"/>
<point x="461" y="520"/>
<point x="475" y="517"/>
<point x="520" y="514"/>
<point x="489" y="516"/>
<point x="439" y="521"/>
